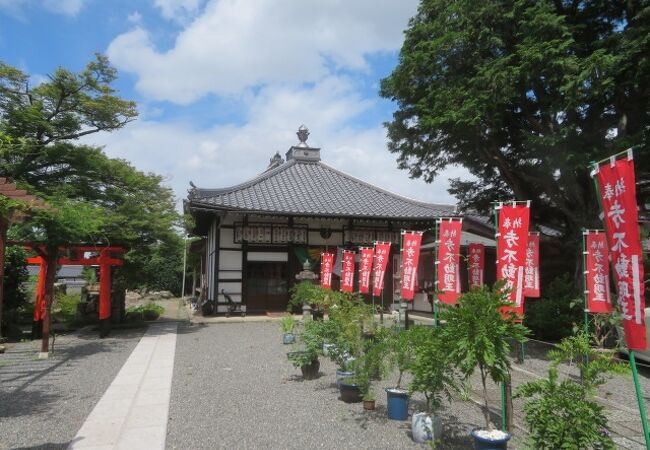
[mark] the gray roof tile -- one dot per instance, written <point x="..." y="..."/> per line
<point x="315" y="189"/>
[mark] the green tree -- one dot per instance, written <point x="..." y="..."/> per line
<point x="524" y="94"/>
<point x="67" y="106"/>
<point x="92" y="199"/>
<point x="478" y="336"/>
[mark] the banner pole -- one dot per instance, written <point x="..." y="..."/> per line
<point x="406" y="305"/>
<point x="436" y="320"/>
<point x="639" y="399"/>
<point x="504" y="419"/>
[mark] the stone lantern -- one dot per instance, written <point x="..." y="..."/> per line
<point x="306" y="274"/>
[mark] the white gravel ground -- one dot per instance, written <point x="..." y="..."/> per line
<point x="234" y="388"/>
<point x="44" y="402"/>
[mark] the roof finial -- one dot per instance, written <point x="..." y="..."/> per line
<point x="303" y="134"/>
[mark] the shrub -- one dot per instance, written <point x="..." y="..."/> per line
<point x="150" y="311"/>
<point x="552" y="317"/>
<point x="65" y="307"/>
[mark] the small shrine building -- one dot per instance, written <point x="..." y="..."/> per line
<point x="258" y="234"/>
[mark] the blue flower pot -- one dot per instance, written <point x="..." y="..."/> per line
<point x="398" y="404"/>
<point x="481" y="443"/>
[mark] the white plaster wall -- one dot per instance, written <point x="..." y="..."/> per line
<point x="230" y="260"/>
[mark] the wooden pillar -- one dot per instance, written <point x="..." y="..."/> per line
<point x="39" y="301"/>
<point x="104" y="293"/>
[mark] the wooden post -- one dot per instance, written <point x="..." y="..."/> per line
<point x="104" y="293"/>
<point x="51" y="257"/>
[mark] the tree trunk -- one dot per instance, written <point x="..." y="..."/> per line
<point x="50" y="276"/>
<point x="486" y="407"/>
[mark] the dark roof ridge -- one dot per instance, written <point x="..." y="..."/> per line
<point x="386" y="192"/>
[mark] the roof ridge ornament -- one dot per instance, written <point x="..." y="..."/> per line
<point x="303" y="135"/>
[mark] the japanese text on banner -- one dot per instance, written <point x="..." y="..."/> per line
<point x="365" y="267"/>
<point x="411" y="241"/>
<point x="531" y="269"/>
<point x="597" y="273"/>
<point x="449" y="233"/>
<point x="326" y="265"/>
<point x="511" y="250"/>
<point x="475" y="264"/>
<point x="616" y="183"/>
<point x="382" y="253"/>
<point x="347" y="271"/>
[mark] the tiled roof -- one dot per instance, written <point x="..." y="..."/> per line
<point x="314" y="189"/>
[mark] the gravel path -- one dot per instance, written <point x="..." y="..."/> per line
<point x="233" y="387"/>
<point x="44" y="402"/>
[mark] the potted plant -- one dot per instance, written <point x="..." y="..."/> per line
<point x="369" y="400"/>
<point x="354" y="388"/>
<point x="307" y="358"/>
<point x="401" y="350"/>
<point x="478" y="332"/>
<point x="561" y="413"/>
<point x="433" y="375"/>
<point x="346" y="317"/>
<point x="287" y="324"/>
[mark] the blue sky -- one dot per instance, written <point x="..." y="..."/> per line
<point x="221" y="85"/>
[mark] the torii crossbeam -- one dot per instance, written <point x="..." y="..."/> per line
<point x="105" y="260"/>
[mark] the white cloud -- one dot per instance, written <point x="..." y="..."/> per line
<point x="65" y="7"/>
<point x="134" y="17"/>
<point x="178" y="10"/>
<point x="225" y="155"/>
<point x="237" y="44"/>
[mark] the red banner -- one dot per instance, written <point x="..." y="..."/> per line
<point x="411" y="241"/>
<point x="365" y="267"/>
<point x="475" y="264"/>
<point x="382" y="253"/>
<point x="448" y="261"/>
<point x="347" y="271"/>
<point x="617" y="188"/>
<point x="512" y="242"/>
<point x="531" y="269"/>
<point x="326" y="266"/>
<point x="597" y="272"/>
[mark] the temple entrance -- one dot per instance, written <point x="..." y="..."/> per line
<point x="266" y="286"/>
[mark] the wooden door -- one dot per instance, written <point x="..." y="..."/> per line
<point x="266" y="286"/>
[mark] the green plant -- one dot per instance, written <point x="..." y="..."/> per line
<point x="287" y="324"/>
<point x="150" y="311"/>
<point x="563" y="413"/>
<point x="431" y="368"/>
<point x="402" y="346"/>
<point x="310" y="345"/>
<point x="369" y="396"/>
<point x="64" y="308"/>
<point x="554" y="316"/>
<point x="308" y="292"/>
<point x="595" y="365"/>
<point x="477" y="335"/>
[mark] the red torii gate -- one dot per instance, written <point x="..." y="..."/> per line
<point x="105" y="261"/>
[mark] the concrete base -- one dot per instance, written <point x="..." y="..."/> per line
<point x="43" y="355"/>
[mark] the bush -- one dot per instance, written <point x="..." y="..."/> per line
<point x="65" y="307"/>
<point x="552" y="317"/>
<point x="150" y="311"/>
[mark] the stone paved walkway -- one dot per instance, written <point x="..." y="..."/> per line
<point x="132" y="414"/>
